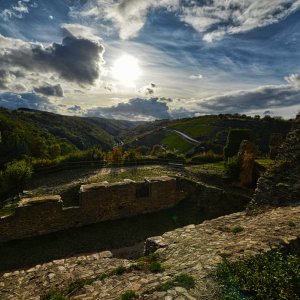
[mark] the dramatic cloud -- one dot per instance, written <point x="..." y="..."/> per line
<point x="134" y="109"/>
<point x="50" y="90"/>
<point x="75" y="59"/>
<point x="128" y="16"/>
<point x="26" y="100"/>
<point x="218" y="17"/>
<point x="213" y="18"/>
<point x="5" y="79"/>
<point x="264" y="97"/>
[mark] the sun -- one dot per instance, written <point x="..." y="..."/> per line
<point x="126" y="70"/>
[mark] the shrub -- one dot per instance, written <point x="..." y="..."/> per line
<point x="156" y="267"/>
<point x="16" y="174"/>
<point x="128" y="295"/>
<point x="234" y="139"/>
<point x="232" y="168"/>
<point x="52" y="295"/>
<point x="183" y="280"/>
<point x="272" y="275"/>
<point x="207" y="157"/>
<point x="237" y="229"/>
<point x="120" y="270"/>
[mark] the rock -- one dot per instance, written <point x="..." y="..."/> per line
<point x="246" y="157"/>
<point x="154" y="243"/>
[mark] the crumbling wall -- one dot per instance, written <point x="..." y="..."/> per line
<point x="281" y="184"/>
<point x="97" y="202"/>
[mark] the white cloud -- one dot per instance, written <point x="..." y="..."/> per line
<point x="293" y="79"/>
<point x="15" y="11"/>
<point x="197" y="76"/>
<point x="218" y="17"/>
<point x="80" y="31"/>
<point x="213" y="19"/>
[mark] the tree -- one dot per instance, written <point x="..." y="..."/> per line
<point x="234" y="139"/>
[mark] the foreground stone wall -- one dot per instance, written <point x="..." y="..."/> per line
<point x="281" y="184"/>
<point x="97" y="202"/>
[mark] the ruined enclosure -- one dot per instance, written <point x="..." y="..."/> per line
<point x="171" y="204"/>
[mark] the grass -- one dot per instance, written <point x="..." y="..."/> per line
<point x="7" y="210"/>
<point x="274" y="275"/>
<point x="53" y="295"/>
<point x="265" y="162"/>
<point x="237" y="229"/>
<point x="150" y="263"/>
<point x="217" y="168"/>
<point x="128" y="295"/>
<point x="176" y="142"/>
<point x="120" y="270"/>
<point x="137" y="174"/>
<point x="182" y="280"/>
<point x="195" y="127"/>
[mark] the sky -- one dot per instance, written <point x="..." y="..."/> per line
<point x="151" y="59"/>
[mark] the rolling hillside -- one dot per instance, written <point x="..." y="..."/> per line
<point x="34" y="133"/>
<point x="211" y="132"/>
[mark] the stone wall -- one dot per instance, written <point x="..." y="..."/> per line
<point x="97" y="202"/>
<point x="281" y="183"/>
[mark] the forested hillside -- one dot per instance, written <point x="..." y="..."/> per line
<point x="48" y="135"/>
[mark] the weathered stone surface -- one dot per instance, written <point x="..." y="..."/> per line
<point x="98" y="202"/>
<point x="195" y="250"/>
<point x="246" y="156"/>
<point x="281" y="184"/>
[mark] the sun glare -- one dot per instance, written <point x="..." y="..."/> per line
<point x="126" y="70"/>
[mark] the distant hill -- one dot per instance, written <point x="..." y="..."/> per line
<point x="211" y="132"/>
<point x="34" y="133"/>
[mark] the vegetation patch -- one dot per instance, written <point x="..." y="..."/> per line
<point x="128" y="295"/>
<point x="150" y="263"/>
<point x="237" y="229"/>
<point x="273" y="275"/>
<point x="53" y="295"/>
<point x="182" y="280"/>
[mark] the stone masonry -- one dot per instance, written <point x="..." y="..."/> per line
<point x="195" y="250"/>
<point x="97" y="202"/>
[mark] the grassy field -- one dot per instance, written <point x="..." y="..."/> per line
<point x="175" y="142"/>
<point x="195" y="127"/>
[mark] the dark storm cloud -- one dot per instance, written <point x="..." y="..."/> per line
<point x="264" y="97"/>
<point x="26" y="100"/>
<point x="135" y="109"/>
<point x="75" y="59"/>
<point x="50" y="90"/>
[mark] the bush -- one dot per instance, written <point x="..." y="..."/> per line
<point x="272" y="275"/>
<point x="233" y="168"/>
<point x="156" y="267"/>
<point x="128" y="295"/>
<point x="52" y="295"/>
<point x="171" y="156"/>
<point x="207" y="157"/>
<point x="16" y="174"/>
<point x="120" y="270"/>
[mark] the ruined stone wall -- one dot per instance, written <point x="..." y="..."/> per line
<point x="281" y="183"/>
<point x="97" y="202"/>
